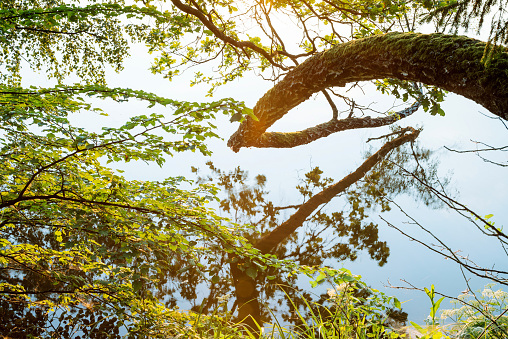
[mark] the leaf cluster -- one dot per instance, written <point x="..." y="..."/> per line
<point x="466" y="14"/>
<point x="82" y="248"/>
<point x="66" y="38"/>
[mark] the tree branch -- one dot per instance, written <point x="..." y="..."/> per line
<point x="220" y="35"/>
<point x="452" y="63"/>
<point x="293" y="139"/>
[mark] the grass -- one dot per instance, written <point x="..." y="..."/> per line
<point x="353" y="310"/>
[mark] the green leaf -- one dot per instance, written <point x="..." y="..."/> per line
<point x="435" y="307"/>
<point x="320" y="278"/>
<point x="396" y="302"/>
<point x="418" y="327"/>
<point x="249" y="112"/>
<point x="136" y="285"/>
<point x="251" y="272"/>
<point x="236" y="117"/>
<point x="58" y="235"/>
<point x="430" y="292"/>
<point x="348" y="278"/>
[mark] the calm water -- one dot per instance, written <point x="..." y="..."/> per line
<point x="479" y="185"/>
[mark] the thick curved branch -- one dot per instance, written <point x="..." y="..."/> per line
<point x="450" y="62"/>
<point x="274" y="238"/>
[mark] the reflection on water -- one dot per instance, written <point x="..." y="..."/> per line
<point x="334" y="232"/>
<point x="325" y="235"/>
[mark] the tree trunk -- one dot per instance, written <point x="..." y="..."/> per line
<point x="249" y="311"/>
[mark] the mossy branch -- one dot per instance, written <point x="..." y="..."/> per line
<point x="453" y="63"/>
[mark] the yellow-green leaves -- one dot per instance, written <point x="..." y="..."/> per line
<point x="75" y="227"/>
<point x="64" y="38"/>
<point x="435" y="304"/>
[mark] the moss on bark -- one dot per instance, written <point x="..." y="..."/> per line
<point x="453" y="63"/>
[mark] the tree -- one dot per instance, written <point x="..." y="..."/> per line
<point x="309" y="240"/>
<point x="82" y="248"/>
<point x="402" y="56"/>
<point x="462" y="65"/>
<point x="97" y="242"/>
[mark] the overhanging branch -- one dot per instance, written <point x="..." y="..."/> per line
<point x="450" y="62"/>
<point x="293" y="139"/>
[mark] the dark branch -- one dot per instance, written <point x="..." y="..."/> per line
<point x="274" y="238"/>
<point x="220" y="34"/>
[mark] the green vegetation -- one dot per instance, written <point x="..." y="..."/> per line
<point x="82" y="248"/>
<point x="87" y="253"/>
<point x="354" y="310"/>
<point x="479" y="315"/>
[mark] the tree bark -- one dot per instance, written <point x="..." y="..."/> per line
<point x="453" y="63"/>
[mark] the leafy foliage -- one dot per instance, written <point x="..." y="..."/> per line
<point x="82" y="249"/>
<point x="480" y="314"/>
<point x="78" y="236"/>
<point x="350" y="309"/>
<point x="65" y="37"/>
